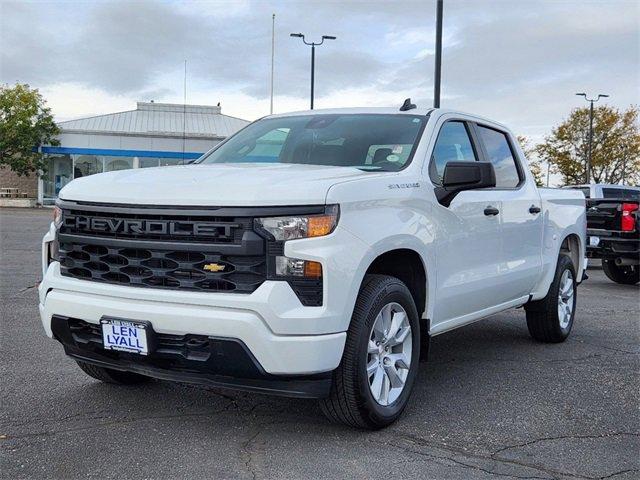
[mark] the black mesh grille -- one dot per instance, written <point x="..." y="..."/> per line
<point x="163" y="268"/>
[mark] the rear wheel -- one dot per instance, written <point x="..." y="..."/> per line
<point x="551" y="318"/>
<point x="373" y="382"/>
<point x="625" y="274"/>
<point x="109" y="375"/>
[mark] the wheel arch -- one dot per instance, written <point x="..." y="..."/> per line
<point x="571" y="246"/>
<point x="406" y="265"/>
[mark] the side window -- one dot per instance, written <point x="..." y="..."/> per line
<point x="625" y="193"/>
<point x="500" y="154"/>
<point x="453" y="145"/>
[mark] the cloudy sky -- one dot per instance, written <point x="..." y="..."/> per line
<point x="519" y="62"/>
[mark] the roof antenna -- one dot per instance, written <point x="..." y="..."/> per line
<point x="407" y="105"/>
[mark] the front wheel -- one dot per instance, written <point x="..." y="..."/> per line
<point x="551" y="318"/>
<point x="373" y="382"/>
<point x="624" y="274"/>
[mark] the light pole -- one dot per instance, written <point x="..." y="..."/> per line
<point x="313" y="56"/>
<point x="438" y="60"/>
<point x="591" y="101"/>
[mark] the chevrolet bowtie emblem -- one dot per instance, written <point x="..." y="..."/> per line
<point x="214" y="267"/>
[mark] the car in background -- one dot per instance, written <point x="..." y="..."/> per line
<point x="606" y="190"/>
<point x="613" y="229"/>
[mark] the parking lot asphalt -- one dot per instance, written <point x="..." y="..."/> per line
<point x="489" y="403"/>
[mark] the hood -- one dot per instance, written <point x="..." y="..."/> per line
<point x="246" y="184"/>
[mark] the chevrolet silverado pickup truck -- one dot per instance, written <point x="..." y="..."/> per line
<point x="613" y="229"/>
<point x="312" y="254"/>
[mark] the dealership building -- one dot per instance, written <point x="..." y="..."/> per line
<point x="152" y="135"/>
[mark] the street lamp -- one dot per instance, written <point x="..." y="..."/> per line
<point x="591" y="101"/>
<point x="313" y="56"/>
<point x="438" y="58"/>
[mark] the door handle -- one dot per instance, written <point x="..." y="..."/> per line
<point x="491" y="211"/>
<point x="534" y="210"/>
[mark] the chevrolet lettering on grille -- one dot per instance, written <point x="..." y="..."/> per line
<point x="154" y="227"/>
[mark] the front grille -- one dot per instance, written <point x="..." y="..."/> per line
<point x="162" y="249"/>
<point x="157" y="268"/>
<point x="199" y="249"/>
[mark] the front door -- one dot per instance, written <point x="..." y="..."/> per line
<point x="468" y="252"/>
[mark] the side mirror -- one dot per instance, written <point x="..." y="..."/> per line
<point x="460" y="176"/>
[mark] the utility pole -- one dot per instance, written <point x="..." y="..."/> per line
<point x="438" y="60"/>
<point x="624" y="165"/>
<point x="184" y="113"/>
<point x="273" y="52"/>
<point x="313" y="71"/>
<point x="313" y="46"/>
<point x="591" y="102"/>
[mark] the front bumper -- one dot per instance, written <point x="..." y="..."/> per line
<point x="179" y="313"/>
<point x="187" y="358"/>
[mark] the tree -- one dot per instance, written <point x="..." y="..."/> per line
<point x="615" y="151"/>
<point x="26" y="123"/>
<point x="534" y="165"/>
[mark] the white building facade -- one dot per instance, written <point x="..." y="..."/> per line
<point x="152" y="135"/>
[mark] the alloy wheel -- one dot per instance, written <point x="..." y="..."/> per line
<point x="565" y="299"/>
<point x="389" y="353"/>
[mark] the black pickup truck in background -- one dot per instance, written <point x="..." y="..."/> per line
<point x="613" y="235"/>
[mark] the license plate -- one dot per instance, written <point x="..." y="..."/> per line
<point x="594" y="241"/>
<point x="125" y="336"/>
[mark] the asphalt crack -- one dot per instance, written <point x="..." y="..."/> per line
<point x="442" y="459"/>
<point x="563" y="437"/>
<point x="246" y="447"/>
<point x="493" y="457"/>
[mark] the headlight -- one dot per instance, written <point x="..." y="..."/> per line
<point x="301" y="226"/>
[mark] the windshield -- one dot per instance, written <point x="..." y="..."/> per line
<point x="378" y="142"/>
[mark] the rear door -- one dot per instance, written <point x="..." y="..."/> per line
<point x="520" y="264"/>
<point x="468" y="250"/>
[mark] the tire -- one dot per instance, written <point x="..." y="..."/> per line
<point x="352" y="401"/>
<point x="624" y="274"/>
<point x="109" y="375"/>
<point x="544" y="318"/>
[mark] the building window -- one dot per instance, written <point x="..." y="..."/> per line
<point x="146" y="162"/>
<point x="85" y="165"/>
<point x="117" y="163"/>
<point x="64" y="168"/>
<point x="59" y="173"/>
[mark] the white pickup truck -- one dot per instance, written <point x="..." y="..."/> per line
<point x="311" y="254"/>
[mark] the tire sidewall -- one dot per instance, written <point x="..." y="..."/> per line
<point x="397" y="292"/>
